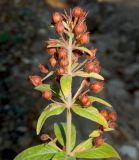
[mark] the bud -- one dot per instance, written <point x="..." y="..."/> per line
<point x="80" y="28"/>
<point x="43" y="68"/>
<point x="87" y="104"/>
<point x="47" y="95"/>
<point x="84" y="99"/>
<point x="84" y="38"/>
<point x="35" y="80"/>
<point x="112" y="125"/>
<point x="96" y="68"/>
<point x="52" y="61"/>
<point x="97" y="86"/>
<point x="99" y="141"/>
<point x="104" y="113"/>
<point x="89" y="67"/>
<point x="60" y="71"/>
<point x="57" y="17"/>
<point x="64" y="62"/>
<point x="51" y="51"/>
<point x="62" y="53"/>
<point x="44" y="137"/>
<point x="113" y="116"/>
<point x="77" y="12"/>
<point x="59" y="27"/>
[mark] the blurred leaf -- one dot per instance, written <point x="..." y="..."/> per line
<point x="60" y="130"/>
<point x="90" y="113"/>
<point x="65" y="83"/>
<point x="50" y="110"/>
<point x="103" y="151"/>
<point x="56" y="3"/>
<point x="43" y="152"/>
<point x="91" y="75"/>
<point x="96" y="99"/>
<point x="43" y="87"/>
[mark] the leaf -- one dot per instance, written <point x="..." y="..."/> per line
<point x="91" y="75"/>
<point x="60" y="130"/>
<point x="54" y="46"/>
<point x="65" y="83"/>
<point x="104" y="151"/>
<point x="85" y="145"/>
<point x="62" y="156"/>
<point x="43" y="152"/>
<point x="43" y="87"/>
<point x="48" y="75"/>
<point x="50" y="110"/>
<point x="90" y="113"/>
<point x="95" y="133"/>
<point x="74" y="65"/>
<point x="84" y="49"/>
<point x="96" y="99"/>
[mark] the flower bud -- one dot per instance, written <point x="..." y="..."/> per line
<point x="44" y="137"/>
<point x="104" y="113"/>
<point x="89" y="67"/>
<point x="96" y="68"/>
<point x="80" y="28"/>
<point x="84" y="99"/>
<point x="52" y="61"/>
<point x="60" y="71"/>
<point x="64" y="62"/>
<point x="87" y="104"/>
<point x="62" y="53"/>
<point x="113" y="116"/>
<point x="51" y="51"/>
<point x="84" y="38"/>
<point x="47" y="95"/>
<point x="112" y="125"/>
<point x="99" y="141"/>
<point x="77" y="12"/>
<point x="57" y="17"/>
<point x="35" y="80"/>
<point x="43" y="68"/>
<point x="97" y="86"/>
<point x="59" y="27"/>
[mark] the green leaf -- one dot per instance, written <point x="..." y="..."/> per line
<point x="43" y="152"/>
<point x="91" y="75"/>
<point x="104" y="151"/>
<point x="50" y="110"/>
<point x="62" y="156"/>
<point x="43" y="87"/>
<point x="57" y="45"/>
<point x="84" y="49"/>
<point x="66" y="82"/>
<point x="48" y="75"/>
<point x="96" y="99"/>
<point x="60" y="130"/>
<point x="90" y="113"/>
<point x="95" y="133"/>
<point x="85" y="145"/>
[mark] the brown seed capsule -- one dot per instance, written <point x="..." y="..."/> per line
<point x="112" y="125"/>
<point x="99" y="141"/>
<point x="64" y="62"/>
<point x="89" y="67"/>
<point x="44" y="137"/>
<point x="96" y="68"/>
<point x="59" y="27"/>
<point x="84" y="38"/>
<point x="52" y="61"/>
<point x="80" y="28"/>
<point x="51" y="51"/>
<point x="88" y="104"/>
<point x="35" y="80"/>
<point x="97" y="86"/>
<point x="60" y="71"/>
<point x="77" y="12"/>
<point x="62" y="53"/>
<point x="43" y="68"/>
<point x="113" y="116"/>
<point x="104" y="113"/>
<point x="57" y="17"/>
<point x="84" y="99"/>
<point x="47" y="95"/>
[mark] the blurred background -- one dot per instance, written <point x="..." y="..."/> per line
<point x="24" y="26"/>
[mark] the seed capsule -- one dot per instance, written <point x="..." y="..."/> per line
<point x="64" y="62"/>
<point x="99" y="141"/>
<point x="43" y="68"/>
<point x="51" y="51"/>
<point x="80" y="28"/>
<point x="62" y="53"/>
<point x="89" y="67"/>
<point x="35" y="80"/>
<point x="97" y="86"/>
<point x="44" y="137"/>
<point x="60" y="71"/>
<point x="112" y="125"/>
<point x="59" y="27"/>
<point x="87" y="104"/>
<point x="84" y="38"/>
<point x="57" y="17"/>
<point x="77" y="12"/>
<point x="104" y="113"/>
<point x="113" y="116"/>
<point x="52" y="61"/>
<point x="84" y="99"/>
<point x="47" y="95"/>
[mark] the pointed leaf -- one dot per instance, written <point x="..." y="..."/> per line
<point x="43" y="152"/>
<point x="84" y="49"/>
<point x="91" y="75"/>
<point x="43" y="87"/>
<point x="48" y="75"/>
<point x="60" y="132"/>
<point x="50" y="110"/>
<point x="90" y="113"/>
<point x="65" y="83"/>
<point x="95" y="133"/>
<point x="104" y="151"/>
<point x="96" y="99"/>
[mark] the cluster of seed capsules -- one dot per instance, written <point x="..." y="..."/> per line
<point x="58" y="62"/>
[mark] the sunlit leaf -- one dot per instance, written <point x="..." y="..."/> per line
<point x="62" y="156"/>
<point x="43" y="87"/>
<point x="48" y="75"/>
<point x="96" y="99"/>
<point x="90" y="113"/>
<point x="60" y="130"/>
<point x="65" y="83"/>
<point x="95" y="133"/>
<point x="43" y="152"/>
<point x="84" y="49"/>
<point x="91" y="75"/>
<point x="103" y="151"/>
<point x="50" y="110"/>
